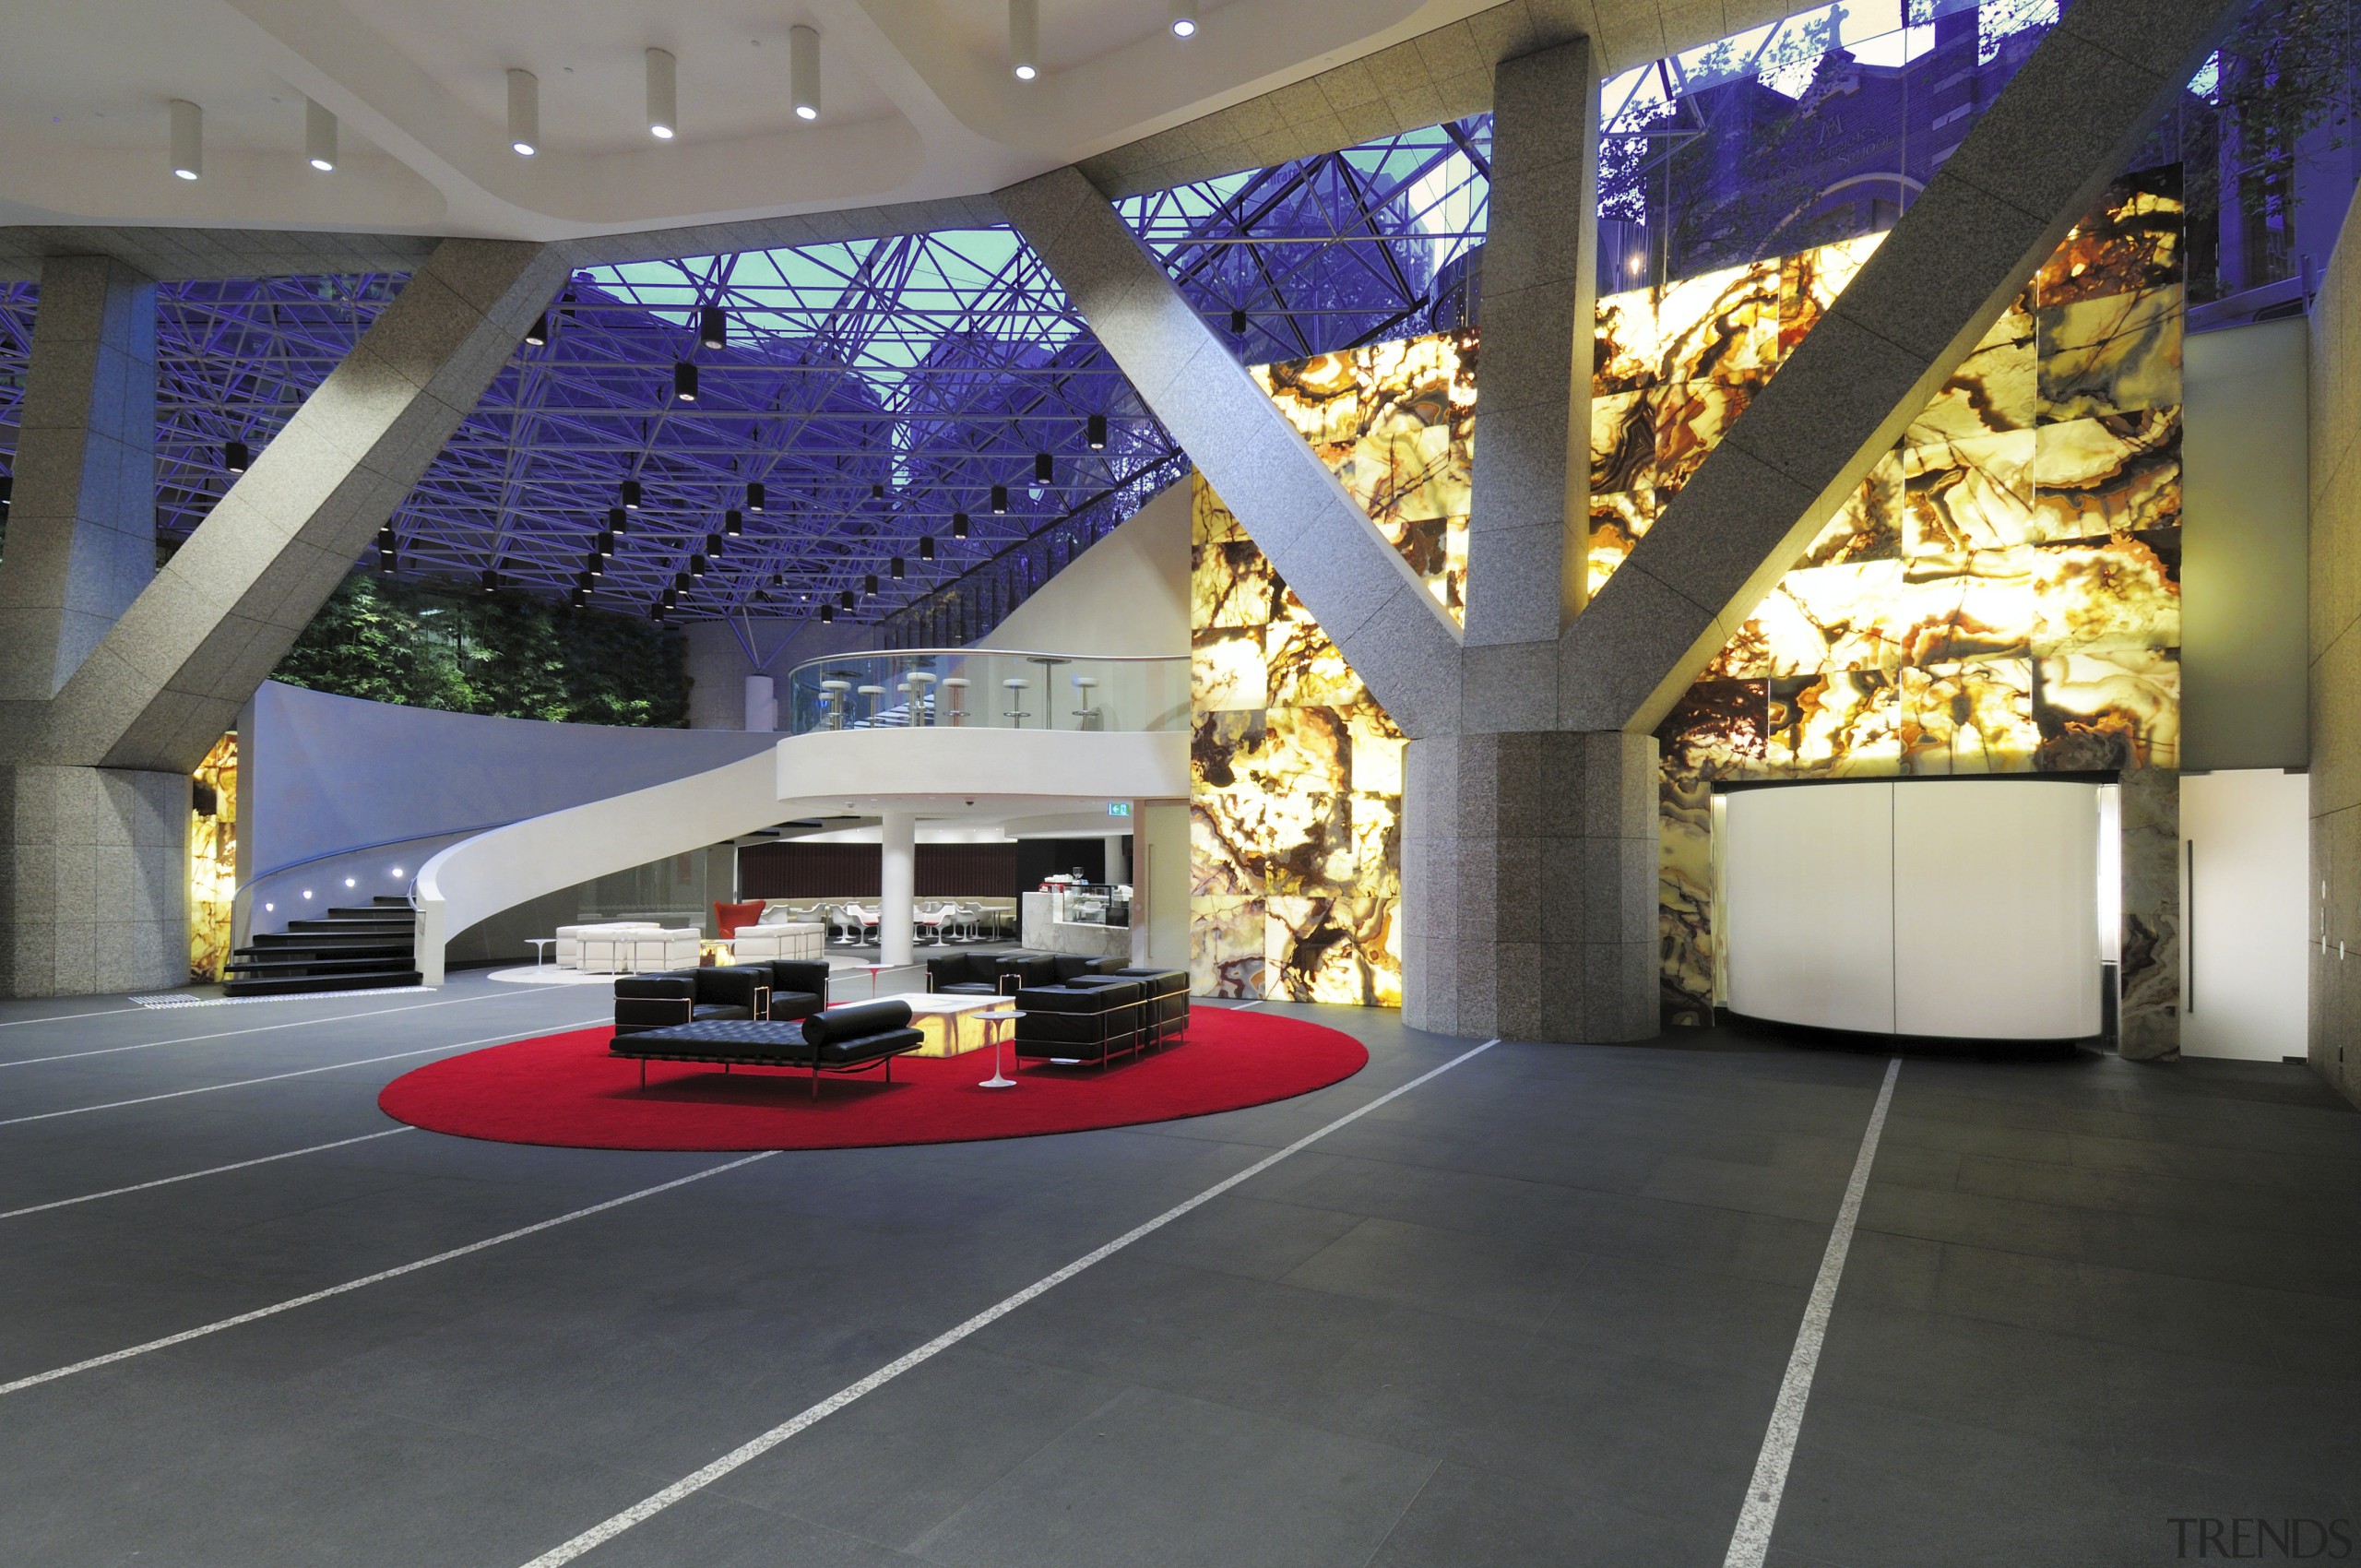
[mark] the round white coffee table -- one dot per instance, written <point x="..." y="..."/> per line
<point x="996" y="1023"/>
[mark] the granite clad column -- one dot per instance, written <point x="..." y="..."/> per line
<point x="93" y="862"/>
<point x="1530" y="885"/>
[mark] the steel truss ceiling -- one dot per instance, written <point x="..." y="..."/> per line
<point x="873" y="391"/>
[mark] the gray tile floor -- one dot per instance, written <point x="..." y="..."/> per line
<point x="1534" y="1311"/>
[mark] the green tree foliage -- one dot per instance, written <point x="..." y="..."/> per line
<point x="504" y="654"/>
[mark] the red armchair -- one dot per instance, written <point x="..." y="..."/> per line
<point x="727" y="918"/>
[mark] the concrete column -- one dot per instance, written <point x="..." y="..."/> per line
<point x="93" y="880"/>
<point x="82" y="530"/>
<point x="896" y="882"/>
<point x="1528" y="529"/>
<point x="762" y="703"/>
<point x="1530" y="885"/>
<point x="1359" y="588"/>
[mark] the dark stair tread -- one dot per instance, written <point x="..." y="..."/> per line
<point x="366" y="943"/>
<point x="333" y="966"/>
<point x="295" y="985"/>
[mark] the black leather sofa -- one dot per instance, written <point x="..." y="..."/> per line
<point x="724" y="993"/>
<point x="845" y="1040"/>
<point x="779" y="990"/>
<point x="998" y="974"/>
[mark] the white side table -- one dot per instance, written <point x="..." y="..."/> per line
<point x="996" y="1024"/>
<point x="540" y="942"/>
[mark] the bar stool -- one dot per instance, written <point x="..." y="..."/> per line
<point x="954" y="697"/>
<point x="1091" y="717"/>
<point x="1015" y="685"/>
<point x="876" y="695"/>
<point x="833" y="696"/>
<point x="922" y="704"/>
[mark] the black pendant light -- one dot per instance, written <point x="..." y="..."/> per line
<point x="1096" y="434"/>
<point x="631" y="494"/>
<point x="235" y="457"/>
<point x="713" y="327"/>
<point x="1044" y="468"/>
<point x="618" y="521"/>
<point x="733" y="523"/>
<point x="1000" y="499"/>
<point x="926" y="547"/>
<point x="754" y="497"/>
<point x="896" y="569"/>
<point x="539" y="333"/>
<point x="684" y="382"/>
<point x="959" y="524"/>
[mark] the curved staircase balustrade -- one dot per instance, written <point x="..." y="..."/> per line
<point x="826" y="770"/>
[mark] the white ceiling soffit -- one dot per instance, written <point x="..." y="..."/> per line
<point x="919" y="103"/>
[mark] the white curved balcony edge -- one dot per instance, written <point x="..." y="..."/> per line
<point x="478" y="878"/>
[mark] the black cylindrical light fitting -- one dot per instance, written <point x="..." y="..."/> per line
<point x="672" y="596"/>
<point x="827" y="612"/>
<point x="926" y="547"/>
<point x="1097" y="427"/>
<point x="631" y="494"/>
<point x="755" y="498"/>
<point x="490" y="581"/>
<point x="656" y="613"/>
<point x="606" y="545"/>
<point x="959" y="524"/>
<point x="539" y="333"/>
<point x="1238" y="322"/>
<point x="845" y="599"/>
<point x="869" y="585"/>
<point x="1000" y="499"/>
<point x="235" y="455"/>
<point x="583" y="580"/>
<point x="1044" y="468"/>
<point x="733" y="522"/>
<point x="593" y="565"/>
<point x="714" y="544"/>
<point x="578" y="599"/>
<point x="697" y="564"/>
<point x="618" y="521"/>
<point x="897" y="569"/>
<point x="877" y="493"/>
<point x="713" y="327"/>
<point x="684" y="382"/>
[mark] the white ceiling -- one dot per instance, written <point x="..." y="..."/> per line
<point x="917" y="101"/>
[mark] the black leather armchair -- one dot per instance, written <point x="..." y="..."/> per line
<point x="1094" y="1019"/>
<point x="725" y="993"/>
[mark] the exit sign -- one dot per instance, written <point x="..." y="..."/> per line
<point x="1119" y="808"/>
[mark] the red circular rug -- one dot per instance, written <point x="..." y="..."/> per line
<point x="565" y="1089"/>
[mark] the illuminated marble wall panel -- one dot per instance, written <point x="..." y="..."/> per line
<point x="212" y="860"/>
<point x="1295" y="812"/>
<point x="1396" y="423"/>
<point x="2002" y="594"/>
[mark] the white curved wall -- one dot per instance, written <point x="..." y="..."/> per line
<point x="870" y="769"/>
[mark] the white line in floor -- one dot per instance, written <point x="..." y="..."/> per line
<point x="68" y="1017"/>
<point x="260" y="1028"/>
<point x="377" y="1279"/>
<point x="655" y="1503"/>
<point x="172" y="1001"/>
<point x="193" y="1175"/>
<point x="304" y="1072"/>
<point x="1750" y="1542"/>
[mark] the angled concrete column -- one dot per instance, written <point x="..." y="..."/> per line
<point x="170" y="676"/>
<point x="1530" y="885"/>
<point x="2058" y="134"/>
<point x="1359" y="588"/>
<point x="1528" y="530"/>
<point x="116" y="678"/>
<point x="83" y="529"/>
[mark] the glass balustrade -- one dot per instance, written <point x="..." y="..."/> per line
<point x="971" y="688"/>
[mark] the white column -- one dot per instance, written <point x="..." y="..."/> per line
<point x="1139" y="881"/>
<point x="762" y="703"/>
<point x="897" y="878"/>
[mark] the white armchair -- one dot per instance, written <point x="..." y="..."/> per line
<point x="569" y="940"/>
<point x="800" y="939"/>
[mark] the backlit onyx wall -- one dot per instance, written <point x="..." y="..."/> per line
<point x="2002" y="595"/>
